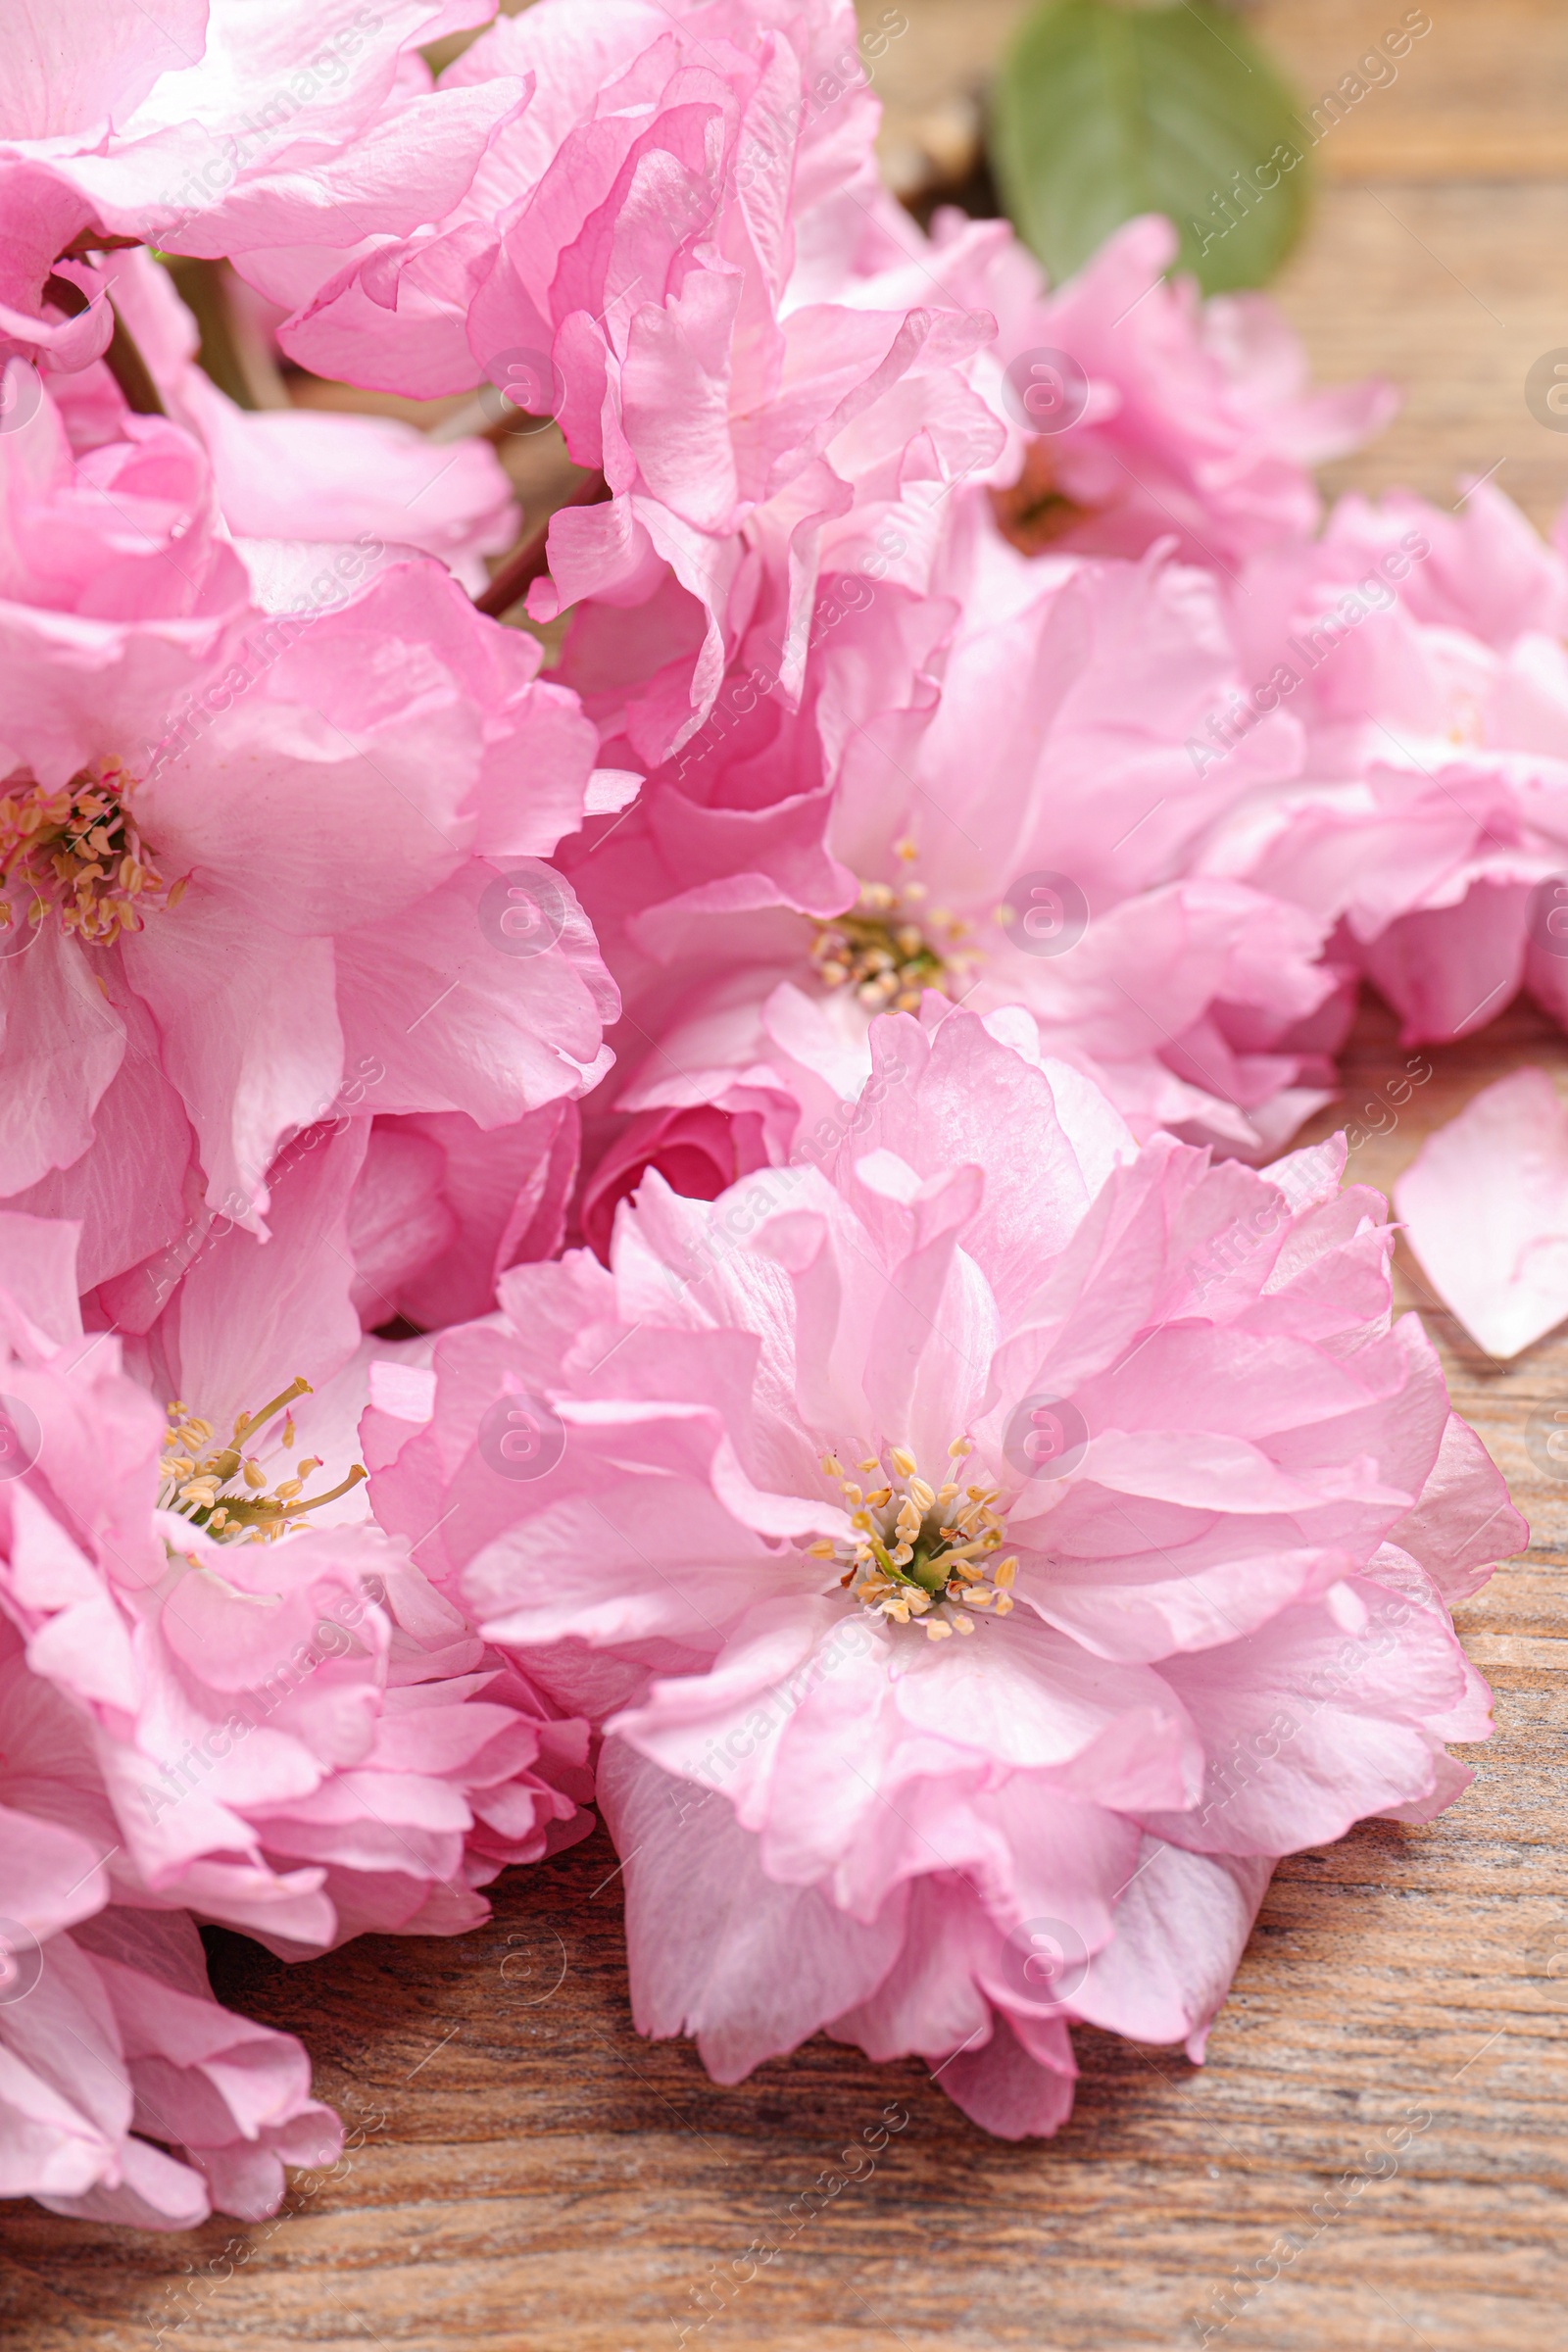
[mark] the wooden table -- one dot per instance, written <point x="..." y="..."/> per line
<point x="531" y="2173"/>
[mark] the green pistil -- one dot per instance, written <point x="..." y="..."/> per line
<point x="931" y="1570"/>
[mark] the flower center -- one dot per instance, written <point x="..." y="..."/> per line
<point x="226" y="1490"/>
<point x="889" y="946"/>
<point x="922" y="1551"/>
<point x="1034" y="514"/>
<point x="77" y="851"/>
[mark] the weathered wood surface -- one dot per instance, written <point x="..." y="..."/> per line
<point x="532" y="2175"/>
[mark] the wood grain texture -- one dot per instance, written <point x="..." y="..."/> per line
<point x="531" y="2175"/>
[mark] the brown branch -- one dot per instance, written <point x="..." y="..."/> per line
<point x="237" y="359"/>
<point x="531" y="561"/>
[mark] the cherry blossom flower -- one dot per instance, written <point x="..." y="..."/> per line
<point x="129" y="2093"/>
<point x="1421" y="655"/>
<point x="215" y="128"/>
<point x="192" y="1562"/>
<point x="625" y="260"/>
<point x="246" y="848"/>
<point x="986" y="791"/>
<point x="986" y="1551"/>
<point x="1192" y="417"/>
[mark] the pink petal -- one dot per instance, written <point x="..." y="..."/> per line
<point x="1485" y="1204"/>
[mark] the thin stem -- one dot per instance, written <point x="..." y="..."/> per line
<point x="531" y="561"/>
<point x="122" y="358"/>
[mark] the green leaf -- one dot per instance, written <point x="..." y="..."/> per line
<point x="1104" y="111"/>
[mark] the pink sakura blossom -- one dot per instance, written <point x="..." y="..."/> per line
<point x="990" y="791"/>
<point x="247" y="854"/>
<point x="298" y="1737"/>
<point x="284" y="1727"/>
<point x="1428" y="824"/>
<point x="110" y="2042"/>
<point x="1156" y="412"/>
<point x="214" y="129"/>
<point x="627" y="260"/>
<point x="987" y="1551"/>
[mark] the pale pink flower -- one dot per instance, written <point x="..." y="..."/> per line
<point x="626" y="261"/>
<point x="1154" y="413"/>
<point x="246" y="851"/>
<point x="989" y="791"/>
<point x="254" y="1700"/>
<point x="987" y="1551"/>
<point x="111" y="2043"/>
<point x="1421" y="654"/>
<point x="215" y="128"/>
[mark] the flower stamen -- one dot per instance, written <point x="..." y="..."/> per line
<point x="907" y="1558"/>
<point x="888" y="949"/>
<point x="226" y="1491"/>
<point x="78" y="851"/>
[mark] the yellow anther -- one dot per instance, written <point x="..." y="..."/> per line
<point x="903" y="1462"/>
<point x="255" y="1476"/>
<point x="1004" y="1571"/>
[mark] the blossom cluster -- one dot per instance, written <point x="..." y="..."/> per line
<point x="654" y="1178"/>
